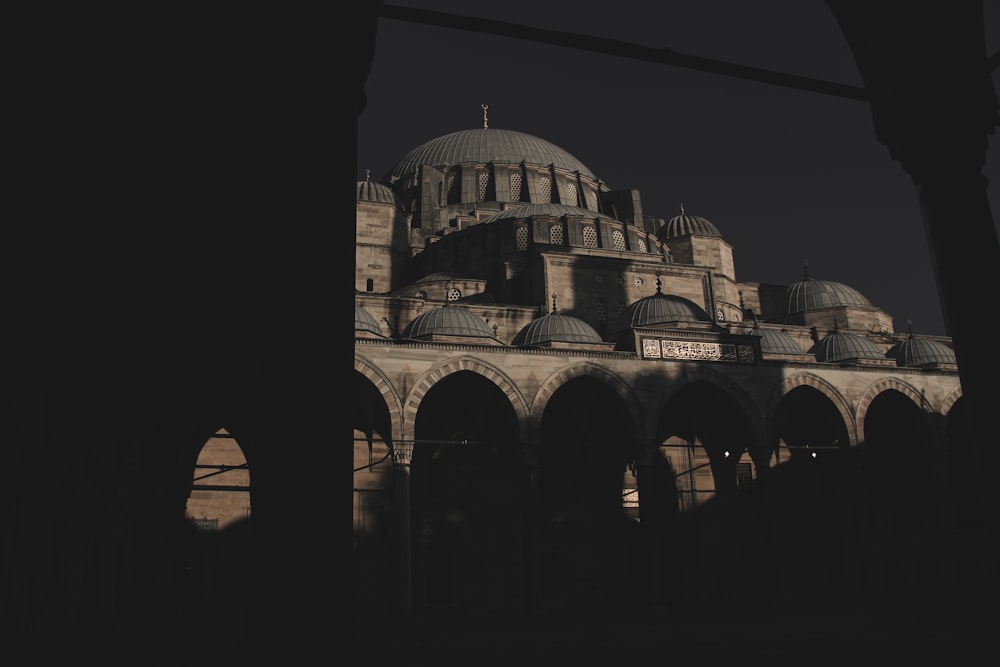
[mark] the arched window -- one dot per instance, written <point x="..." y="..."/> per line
<point x="571" y="196"/>
<point x="556" y="234"/>
<point x="545" y="189"/>
<point x="484" y="184"/>
<point x="515" y="186"/>
<point x="521" y="237"/>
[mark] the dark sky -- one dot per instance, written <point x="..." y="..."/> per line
<point x="786" y="175"/>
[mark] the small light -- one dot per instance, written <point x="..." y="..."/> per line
<point x="814" y="454"/>
<point x="726" y="454"/>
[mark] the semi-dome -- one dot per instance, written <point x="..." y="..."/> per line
<point x="556" y="328"/>
<point x="684" y="224"/>
<point x="483" y="146"/>
<point x="915" y="352"/>
<point x="448" y="321"/>
<point x="775" y="341"/>
<point x="810" y="294"/>
<point x="376" y="192"/>
<point x="365" y="321"/>
<point x="839" y="346"/>
<point x="662" y="308"/>
<point x="531" y="210"/>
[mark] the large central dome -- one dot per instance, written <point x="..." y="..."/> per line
<point x="483" y="146"/>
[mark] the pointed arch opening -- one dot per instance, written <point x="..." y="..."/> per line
<point x="220" y="488"/>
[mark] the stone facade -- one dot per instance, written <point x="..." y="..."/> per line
<point x="681" y="452"/>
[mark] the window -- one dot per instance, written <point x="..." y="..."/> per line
<point x="521" y="236"/>
<point x="571" y="197"/>
<point x="515" y="186"/>
<point x="618" y="240"/>
<point x="206" y="525"/>
<point x="589" y="236"/>
<point x="545" y="189"/>
<point x="744" y="475"/>
<point x="454" y="294"/>
<point x="484" y="183"/>
<point x="556" y="234"/>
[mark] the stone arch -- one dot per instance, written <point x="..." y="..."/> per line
<point x="393" y="401"/>
<point x="723" y="382"/>
<point x="588" y="369"/>
<point x="842" y="405"/>
<point x="884" y="384"/>
<point x="490" y="372"/>
<point x="948" y="402"/>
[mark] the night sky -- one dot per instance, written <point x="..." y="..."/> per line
<point x="788" y="176"/>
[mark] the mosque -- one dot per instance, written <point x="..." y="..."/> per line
<point x="561" y="399"/>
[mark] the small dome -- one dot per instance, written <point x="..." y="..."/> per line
<point x="684" y="224"/>
<point x="556" y="328"/>
<point x="365" y="321"/>
<point x="775" y="341"/>
<point x="376" y="192"/>
<point x="448" y="321"/>
<point x="662" y="308"/>
<point x="839" y="346"/>
<point x="810" y="294"/>
<point x="915" y="352"/>
<point x="485" y="146"/>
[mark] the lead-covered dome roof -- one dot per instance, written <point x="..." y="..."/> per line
<point x="376" y="192"/>
<point x="556" y="328"/>
<point x="663" y="308"/>
<point x="916" y="352"/>
<point x="483" y="146"/>
<point x="841" y="346"/>
<point x="685" y="224"/>
<point x="448" y="321"/>
<point x="811" y="294"/>
<point x="775" y="341"/>
<point x="365" y="321"/>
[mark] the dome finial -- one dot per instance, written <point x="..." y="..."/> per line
<point x="553" y="303"/>
<point x="486" y="123"/>
<point x="368" y="173"/>
<point x="805" y="269"/>
<point x="682" y="209"/>
<point x="909" y="327"/>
